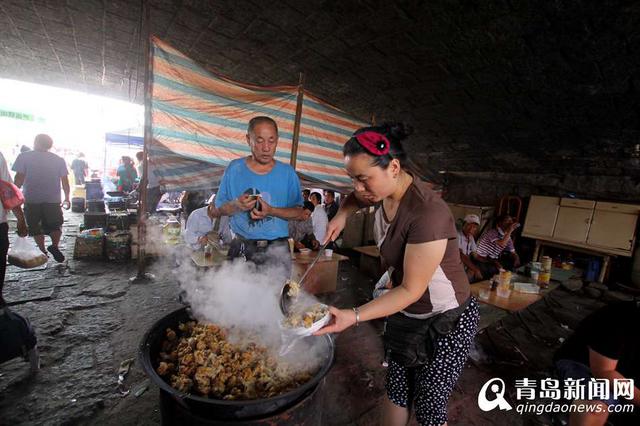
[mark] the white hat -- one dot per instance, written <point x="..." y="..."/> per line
<point x="472" y="218"/>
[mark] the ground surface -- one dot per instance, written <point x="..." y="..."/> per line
<point x="89" y="319"/>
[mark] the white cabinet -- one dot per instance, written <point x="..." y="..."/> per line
<point x="541" y="216"/>
<point x="601" y="226"/>
<point x="574" y="220"/>
<point x="613" y="226"/>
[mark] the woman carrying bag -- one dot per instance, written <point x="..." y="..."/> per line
<point x="10" y="199"/>
<point x="431" y="316"/>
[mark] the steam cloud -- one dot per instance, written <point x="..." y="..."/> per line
<point x="244" y="299"/>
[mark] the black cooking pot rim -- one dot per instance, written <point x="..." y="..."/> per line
<point x="144" y="355"/>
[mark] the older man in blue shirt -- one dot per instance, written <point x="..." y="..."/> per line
<point x="260" y="194"/>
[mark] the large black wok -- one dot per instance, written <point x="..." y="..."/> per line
<point x="219" y="409"/>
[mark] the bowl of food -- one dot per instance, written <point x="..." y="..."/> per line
<point x="305" y="251"/>
<point x="306" y="319"/>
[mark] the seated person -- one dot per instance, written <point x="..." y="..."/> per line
<point x="495" y="248"/>
<point x="330" y="204"/>
<point x="192" y="200"/>
<point x="302" y="230"/>
<point x="200" y="225"/>
<point x="468" y="247"/>
<point x="604" y="346"/>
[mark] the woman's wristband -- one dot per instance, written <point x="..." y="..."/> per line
<point x="357" y="312"/>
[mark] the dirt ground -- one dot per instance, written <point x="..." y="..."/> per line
<point x="89" y="318"/>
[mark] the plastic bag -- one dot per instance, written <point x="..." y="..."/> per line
<point x="25" y="254"/>
<point x="10" y="195"/>
<point x="384" y="284"/>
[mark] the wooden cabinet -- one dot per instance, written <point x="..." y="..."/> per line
<point x="541" y="216"/>
<point x="600" y="226"/>
<point x="573" y="223"/>
<point x="613" y="226"/>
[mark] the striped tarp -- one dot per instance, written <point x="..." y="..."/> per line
<point x="199" y="123"/>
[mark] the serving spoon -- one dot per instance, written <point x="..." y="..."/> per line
<point x="285" y="298"/>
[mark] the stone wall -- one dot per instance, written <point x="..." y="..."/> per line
<point x="487" y="188"/>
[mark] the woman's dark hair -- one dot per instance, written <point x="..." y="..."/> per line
<point x="317" y="196"/>
<point x="308" y="205"/>
<point x="395" y="133"/>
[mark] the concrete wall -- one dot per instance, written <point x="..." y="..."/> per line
<point x="486" y="188"/>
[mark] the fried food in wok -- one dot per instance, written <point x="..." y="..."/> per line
<point x="202" y="361"/>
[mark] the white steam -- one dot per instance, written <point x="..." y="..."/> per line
<point x="244" y="299"/>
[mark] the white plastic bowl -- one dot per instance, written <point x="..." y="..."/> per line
<point x="305" y="251"/>
<point x="304" y="331"/>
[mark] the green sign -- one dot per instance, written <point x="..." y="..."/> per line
<point x="20" y="116"/>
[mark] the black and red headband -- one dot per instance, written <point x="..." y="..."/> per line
<point x="375" y="143"/>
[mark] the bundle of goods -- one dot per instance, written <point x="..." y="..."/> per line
<point x="18" y="338"/>
<point x="95" y="220"/>
<point x="77" y="205"/>
<point x="119" y="246"/>
<point x="116" y="203"/>
<point x="118" y="221"/>
<point x="95" y="206"/>
<point x="89" y="244"/>
<point x="94" y="190"/>
<point x="25" y="254"/>
<point x="133" y="216"/>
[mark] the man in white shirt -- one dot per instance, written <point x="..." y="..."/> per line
<point x="4" y="227"/>
<point x="468" y="247"/>
<point x="200" y="224"/>
<point x="318" y="217"/>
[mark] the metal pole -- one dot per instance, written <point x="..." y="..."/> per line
<point x="296" y="124"/>
<point x="148" y="87"/>
<point x="104" y="165"/>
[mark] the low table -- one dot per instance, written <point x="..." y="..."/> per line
<point x="369" y="261"/>
<point x="324" y="275"/>
<point x="516" y="301"/>
<point x="201" y="261"/>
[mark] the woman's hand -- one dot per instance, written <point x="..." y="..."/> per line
<point x="335" y="227"/>
<point x="341" y="319"/>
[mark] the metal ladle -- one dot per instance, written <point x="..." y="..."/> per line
<point x="285" y="299"/>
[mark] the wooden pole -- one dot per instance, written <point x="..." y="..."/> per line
<point x="296" y="124"/>
<point x="148" y="87"/>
